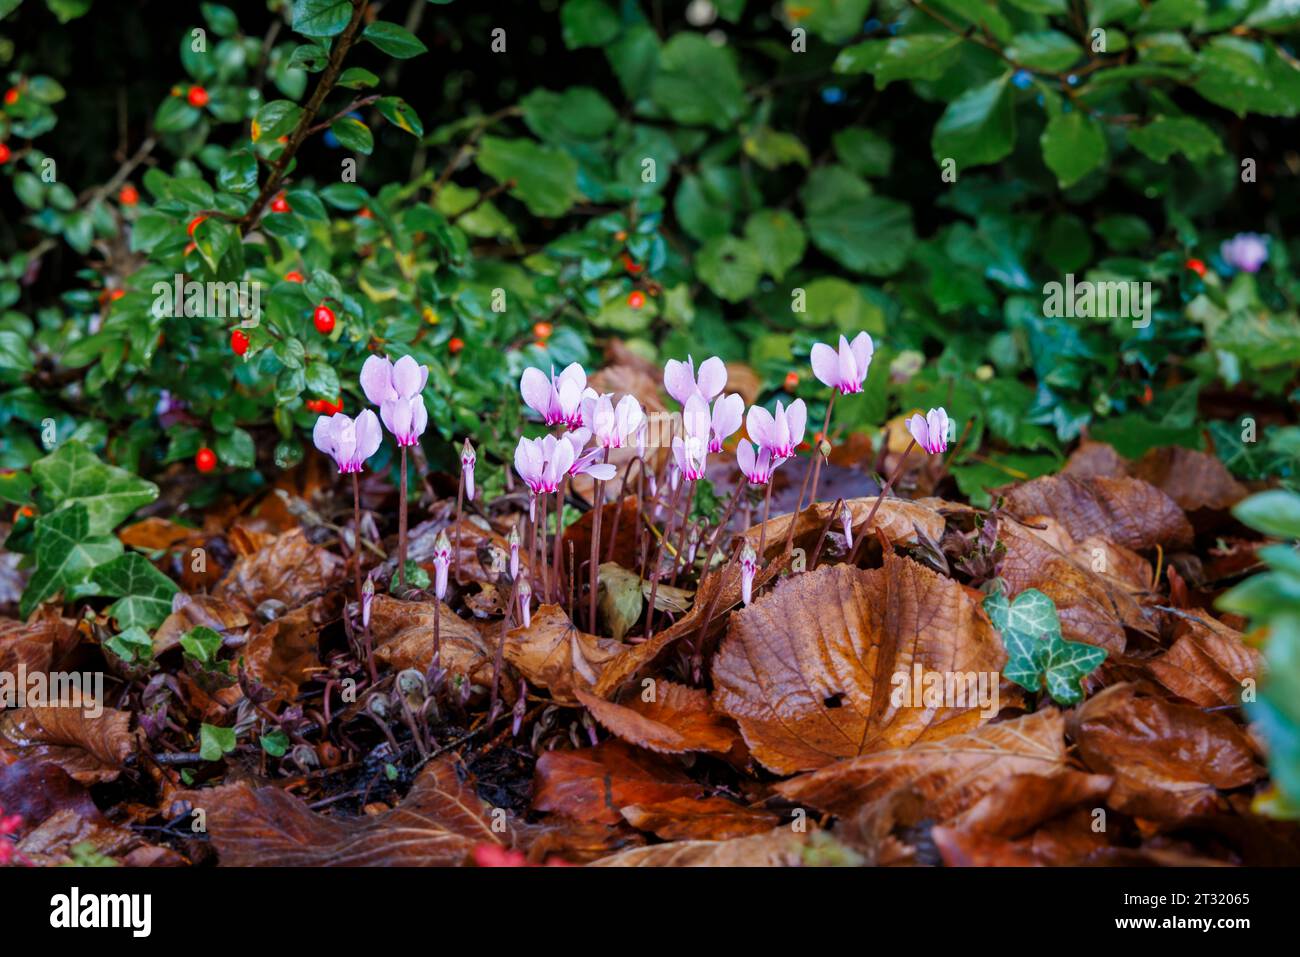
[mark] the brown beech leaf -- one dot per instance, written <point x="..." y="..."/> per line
<point x="437" y="825"/>
<point x="717" y="595"/>
<point x="625" y="551"/>
<point x="403" y="635"/>
<point x="780" y="847"/>
<point x="898" y="518"/>
<point x="50" y="844"/>
<point x="553" y="653"/>
<point x="1093" y="607"/>
<point x="289" y="569"/>
<point x="595" y="784"/>
<point x="691" y="819"/>
<point x="1169" y="760"/>
<point x="1066" y="841"/>
<point x="1095" y="460"/>
<point x="35" y="644"/>
<point x="1126" y="511"/>
<point x="1208" y="663"/>
<point x="282" y="653"/>
<point x="156" y="534"/>
<point x="35" y="789"/>
<point x="948" y="775"/>
<point x="91" y="749"/>
<point x="1193" y="479"/>
<point x="678" y="719"/>
<point x="191" y="611"/>
<point x="1019" y="804"/>
<point x="809" y="670"/>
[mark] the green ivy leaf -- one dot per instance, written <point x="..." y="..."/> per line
<point x="144" y="594"/>
<point x="134" y="646"/>
<point x="65" y="552"/>
<point x="74" y="475"/>
<point x="202" y="644"/>
<point x="215" y="742"/>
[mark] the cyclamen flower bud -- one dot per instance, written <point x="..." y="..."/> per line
<point x="526" y="603"/>
<point x="367" y="599"/>
<point x="748" y="566"/>
<point x="441" y="561"/>
<point x="467" y="462"/>
<point x="846" y="516"/>
<point x="513" y="540"/>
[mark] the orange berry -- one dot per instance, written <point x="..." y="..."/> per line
<point x="791" y="382"/>
<point x="636" y="299"/>
<point x="631" y="265"/>
<point x="205" y="460"/>
<point x="621" y="235"/>
<point x="542" y="330"/>
<point x="294" y="276"/>
<point x="197" y="97"/>
<point x="455" y="344"/>
<point x="116" y="294"/>
<point x="129" y="195"/>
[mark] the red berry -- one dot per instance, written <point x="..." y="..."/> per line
<point x="190" y="248"/>
<point x="129" y="195"/>
<point x="365" y="213"/>
<point x="621" y="236"/>
<point x="631" y="265"/>
<point x="313" y="405"/>
<point x="294" y="276"/>
<point x="324" y="319"/>
<point x="239" y="342"/>
<point x="11" y="96"/>
<point x="5" y="153"/>
<point x="636" y="299"/>
<point x="1196" y="266"/>
<point x="542" y="330"/>
<point x="791" y="382"/>
<point x="455" y="345"/>
<point x="116" y="294"/>
<point x="197" y="96"/>
<point x="206" y="460"/>
<point x="280" y="204"/>
<point x="194" y="224"/>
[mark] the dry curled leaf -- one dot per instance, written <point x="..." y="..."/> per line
<point x="1126" y="511"/>
<point x="1093" y="607"/>
<point x="50" y="844"/>
<point x="35" y="645"/>
<point x="553" y="653"/>
<point x="1208" y="664"/>
<point x="948" y="775"/>
<point x="595" y="784"/>
<point x="675" y="720"/>
<point x="437" y="825"/>
<point x="1195" y="480"/>
<point x="92" y="748"/>
<point x="288" y="568"/>
<point x="902" y="522"/>
<point x="403" y="636"/>
<point x="283" y="653"/>
<point x="690" y="819"/>
<point x="810" y="671"/>
<point x="1169" y="761"/>
<point x="780" y="847"/>
<point x="191" y="611"/>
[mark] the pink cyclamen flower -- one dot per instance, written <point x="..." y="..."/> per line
<point x="757" y="466"/>
<point x="543" y="462"/>
<point x="780" y="434"/>
<point x="557" y="399"/>
<point x="728" y="413"/>
<point x="1246" y="252"/>
<point x="467" y="462"/>
<point x="691" y="450"/>
<point x="681" y="381"/>
<point x="395" y="387"/>
<point x="347" y="441"/>
<point x="441" y="562"/>
<point x="612" y="425"/>
<point x="748" y="566"/>
<point x="846" y="369"/>
<point x="931" y="432"/>
<point x="584" y="462"/>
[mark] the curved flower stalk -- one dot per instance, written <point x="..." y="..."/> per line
<point x="682" y="381"/>
<point x="349" y="442"/>
<point x="395" y="387"/>
<point x="557" y="399"/>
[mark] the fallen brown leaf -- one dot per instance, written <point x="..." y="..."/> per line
<point x="692" y="819"/>
<point x="676" y="720"/>
<point x="403" y="635"/>
<point x="437" y="825"/>
<point x="288" y="569"/>
<point x="595" y="784"/>
<point x="191" y="611"/>
<point x="1208" y="663"/>
<point x="1169" y="760"/>
<point x="810" y="671"/>
<point x="50" y="844"/>
<point x="899" y="519"/>
<point x="949" y="775"/>
<point x="1126" y="511"/>
<point x="35" y="644"/>
<point x="553" y="653"/>
<point x="92" y="750"/>
<point x="780" y="847"/>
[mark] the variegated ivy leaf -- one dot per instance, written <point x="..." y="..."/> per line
<point x="1066" y="664"/>
<point x="65" y="552"/>
<point x="74" y="474"/>
<point x="1036" y="652"/>
<point x="1032" y="613"/>
<point x="144" y="594"/>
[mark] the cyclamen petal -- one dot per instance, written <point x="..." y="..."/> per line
<point x="748" y="566"/>
<point x="728" y="412"/>
<point x="441" y="561"/>
<point x="408" y="377"/>
<point x="377" y="380"/>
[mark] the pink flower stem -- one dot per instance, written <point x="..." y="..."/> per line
<point x="541" y="547"/>
<point x="455" y="555"/>
<point x="356" y="531"/>
<point x="762" y="526"/>
<point x="594" y="571"/>
<point x="500" y="652"/>
<point x="889" y="483"/>
<point x="817" y="453"/>
<point x="794" y="516"/>
<point x="679" y="559"/>
<point x="722" y="524"/>
<point x="654" y="565"/>
<point x="558" y="555"/>
<point x="401" y="527"/>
